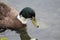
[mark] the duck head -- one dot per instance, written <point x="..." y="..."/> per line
<point x="27" y="13"/>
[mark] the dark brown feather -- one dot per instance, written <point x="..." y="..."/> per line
<point x="8" y="17"/>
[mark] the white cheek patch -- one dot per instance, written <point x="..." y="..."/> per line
<point x="22" y="19"/>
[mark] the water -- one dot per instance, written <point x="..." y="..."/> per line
<point x="47" y="15"/>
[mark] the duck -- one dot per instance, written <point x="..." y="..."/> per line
<point x="11" y="19"/>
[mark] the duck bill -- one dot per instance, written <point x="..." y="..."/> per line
<point x="34" y="22"/>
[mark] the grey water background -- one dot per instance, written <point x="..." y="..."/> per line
<point x="47" y="15"/>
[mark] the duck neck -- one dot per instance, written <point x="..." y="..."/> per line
<point x="22" y="19"/>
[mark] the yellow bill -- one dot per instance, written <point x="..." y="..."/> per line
<point x="34" y="22"/>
